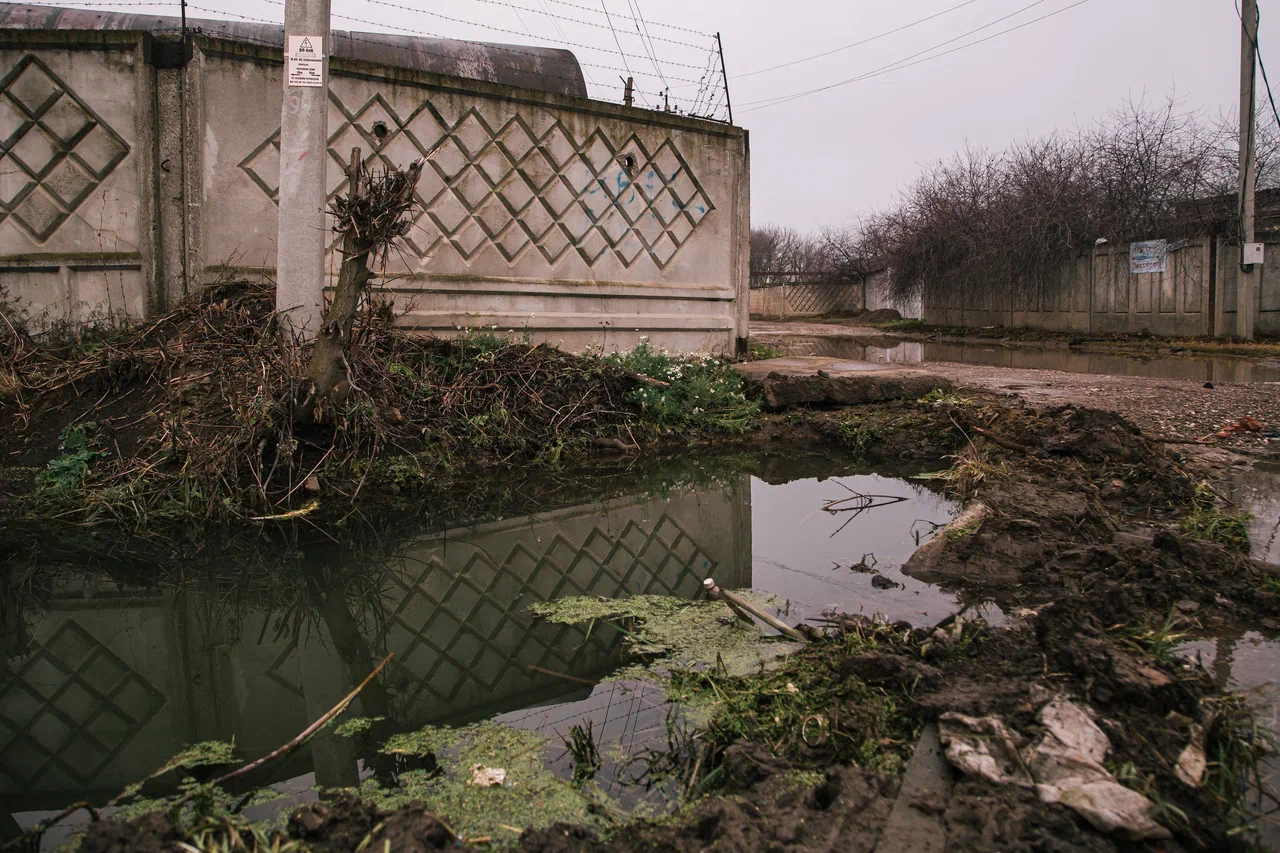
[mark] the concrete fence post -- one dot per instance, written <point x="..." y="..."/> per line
<point x="304" y="118"/>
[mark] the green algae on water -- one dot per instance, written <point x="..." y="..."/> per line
<point x="530" y="797"/>
<point x="685" y="634"/>
<point x="356" y="725"/>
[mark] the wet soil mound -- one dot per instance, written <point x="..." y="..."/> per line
<point x="1063" y="491"/>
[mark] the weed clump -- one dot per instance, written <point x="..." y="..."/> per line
<point x="684" y="634"/>
<point x="704" y="393"/>
<point x="79" y="446"/>
<point x="1207" y="520"/>
<point x="531" y="796"/>
<point x="804" y="709"/>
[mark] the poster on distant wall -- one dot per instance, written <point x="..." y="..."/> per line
<point x="1148" y="256"/>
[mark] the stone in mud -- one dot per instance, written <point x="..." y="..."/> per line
<point x="781" y="383"/>
<point x="915" y="824"/>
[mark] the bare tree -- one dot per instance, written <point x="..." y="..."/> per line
<point x="1001" y="224"/>
<point x="781" y="255"/>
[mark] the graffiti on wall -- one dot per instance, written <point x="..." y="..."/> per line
<point x="517" y="189"/>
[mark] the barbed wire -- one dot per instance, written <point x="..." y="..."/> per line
<point x="415" y="49"/>
<point x="506" y="31"/>
<point x="593" y="11"/>
<point x="96" y="3"/>
<point x="705" y="83"/>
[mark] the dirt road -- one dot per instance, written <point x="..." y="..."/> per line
<point x="1168" y="408"/>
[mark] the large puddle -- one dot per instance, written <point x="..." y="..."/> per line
<point x="891" y="350"/>
<point x="108" y="680"/>
<point x="112" y="673"/>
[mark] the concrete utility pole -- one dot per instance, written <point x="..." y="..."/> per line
<point x="1248" y="275"/>
<point x="304" y="132"/>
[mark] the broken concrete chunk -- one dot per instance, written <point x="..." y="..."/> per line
<point x="781" y="383"/>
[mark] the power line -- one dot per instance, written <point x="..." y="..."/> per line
<point x="555" y="23"/>
<point x="899" y="65"/>
<point x="509" y="48"/>
<point x="381" y="44"/>
<point x="1258" y="52"/>
<point x="857" y="43"/>
<point x="595" y="11"/>
<point x="576" y="20"/>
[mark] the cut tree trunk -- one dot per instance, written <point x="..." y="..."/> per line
<point x="365" y="231"/>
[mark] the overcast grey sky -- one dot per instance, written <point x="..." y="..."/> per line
<point x="820" y="159"/>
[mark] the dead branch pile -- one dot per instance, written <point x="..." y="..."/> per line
<point x="190" y="415"/>
<point x="375" y="210"/>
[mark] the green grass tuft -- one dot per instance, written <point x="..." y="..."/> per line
<point x="1209" y="521"/>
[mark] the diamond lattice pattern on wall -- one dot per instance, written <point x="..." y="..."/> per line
<point x="71" y="697"/>
<point x="516" y="189"/>
<point x="456" y="626"/>
<point x="54" y="150"/>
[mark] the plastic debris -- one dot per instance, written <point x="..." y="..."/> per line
<point x="487" y="777"/>
<point x="1064" y="766"/>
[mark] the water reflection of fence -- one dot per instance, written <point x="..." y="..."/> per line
<point x="111" y="689"/>
<point x="459" y="623"/>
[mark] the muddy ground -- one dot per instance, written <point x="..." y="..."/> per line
<point x="1080" y="541"/>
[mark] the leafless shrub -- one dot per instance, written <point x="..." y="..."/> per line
<point x="781" y="255"/>
<point x="986" y="223"/>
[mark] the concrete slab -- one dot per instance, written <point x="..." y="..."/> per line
<point x="780" y="383"/>
<point x="915" y="824"/>
<point x="806" y="365"/>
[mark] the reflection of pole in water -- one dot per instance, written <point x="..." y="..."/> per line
<point x="333" y="757"/>
<point x="1224" y="656"/>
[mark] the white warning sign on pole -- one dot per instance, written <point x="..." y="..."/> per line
<point x="304" y="61"/>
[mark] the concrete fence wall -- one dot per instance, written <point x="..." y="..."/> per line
<point x="1196" y="295"/>
<point x="806" y="300"/>
<point x="124" y="186"/>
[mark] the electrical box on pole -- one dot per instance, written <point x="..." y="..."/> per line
<point x="304" y="162"/>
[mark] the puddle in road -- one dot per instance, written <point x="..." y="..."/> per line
<point x="1249" y="662"/>
<point x="891" y="350"/>
<point x="107" y="679"/>
<point x="1257" y="491"/>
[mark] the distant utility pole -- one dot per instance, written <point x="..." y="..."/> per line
<point x="304" y="131"/>
<point x="1249" y="273"/>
